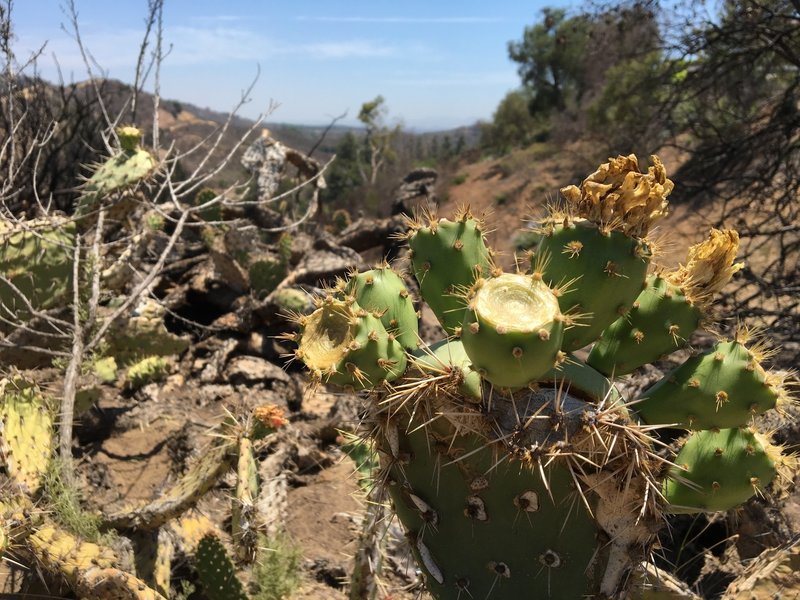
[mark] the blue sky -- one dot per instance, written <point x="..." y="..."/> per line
<point x="438" y="64"/>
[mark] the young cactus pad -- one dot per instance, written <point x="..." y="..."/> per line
<point x="447" y="257"/>
<point x="723" y="387"/>
<point x="598" y="246"/>
<point x="670" y="308"/>
<point x="512" y="329"/>
<point x="344" y="344"/>
<point x="383" y="290"/>
<point x="718" y="470"/>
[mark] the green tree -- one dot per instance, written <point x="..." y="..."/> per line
<point x="550" y="57"/>
<point x="513" y="124"/>
<point x="344" y="174"/>
<point x="377" y="149"/>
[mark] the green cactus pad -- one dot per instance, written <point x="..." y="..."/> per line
<point x="383" y="290"/>
<point x="447" y="257"/>
<point x="37" y="257"/>
<point x="603" y="273"/>
<point x="148" y="370"/>
<point x="26" y="432"/>
<point x="345" y="345"/>
<point x="577" y="378"/>
<point x="719" y="470"/>
<point x="496" y="513"/>
<point x="723" y="387"/>
<point x="243" y="528"/>
<point x="129" y="166"/>
<point x="661" y="320"/>
<point x="265" y="274"/>
<point x="446" y="356"/>
<point x="291" y="301"/>
<point x="217" y="572"/>
<point x="512" y="330"/>
<point x="142" y="335"/>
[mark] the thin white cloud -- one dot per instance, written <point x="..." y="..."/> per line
<point x="456" y="79"/>
<point x="217" y="18"/>
<point x="349" y="49"/>
<point x="402" y="20"/>
<point x="195" y="45"/>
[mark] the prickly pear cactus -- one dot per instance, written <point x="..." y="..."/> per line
<point x="217" y="572"/>
<point x="518" y="469"/>
<point x="26" y="432"/>
<point x="122" y="171"/>
<point x="36" y="259"/>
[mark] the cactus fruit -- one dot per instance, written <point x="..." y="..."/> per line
<point x="344" y="344"/>
<point x="36" y="258"/>
<point x="26" y="432"/>
<point x="599" y="246"/>
<point x="513" y="329"/>
<point x="447" y="257"/>
<point x="517" y="469"/>
<point x="383" y="290"/>
<point x="216" y="571"/>
<point x="672" y="306"/>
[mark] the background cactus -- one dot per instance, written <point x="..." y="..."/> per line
<point x="36" y="262"/>
<point x="517" y="469"/>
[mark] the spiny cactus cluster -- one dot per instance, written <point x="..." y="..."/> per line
<point x="515" y="465"/>
<point x="93" y="570"/>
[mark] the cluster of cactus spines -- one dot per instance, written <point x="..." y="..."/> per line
<point x="448" y="359"/>
<point x="447" y="257"/>
<point x="344" y="344"/>
<point x="36" y="259"/>
<point x="26" y="440"/>
<point x="126" y="168"/>
<point x="598" y="243"/>
<point x="673" y="305"/>
<point x="217" y="572"/>
<point x="519" y="470"/>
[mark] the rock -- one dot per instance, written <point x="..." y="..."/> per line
<point x="254" y="370"/>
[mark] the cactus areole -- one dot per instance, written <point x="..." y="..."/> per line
<point x="518" y="470"/>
